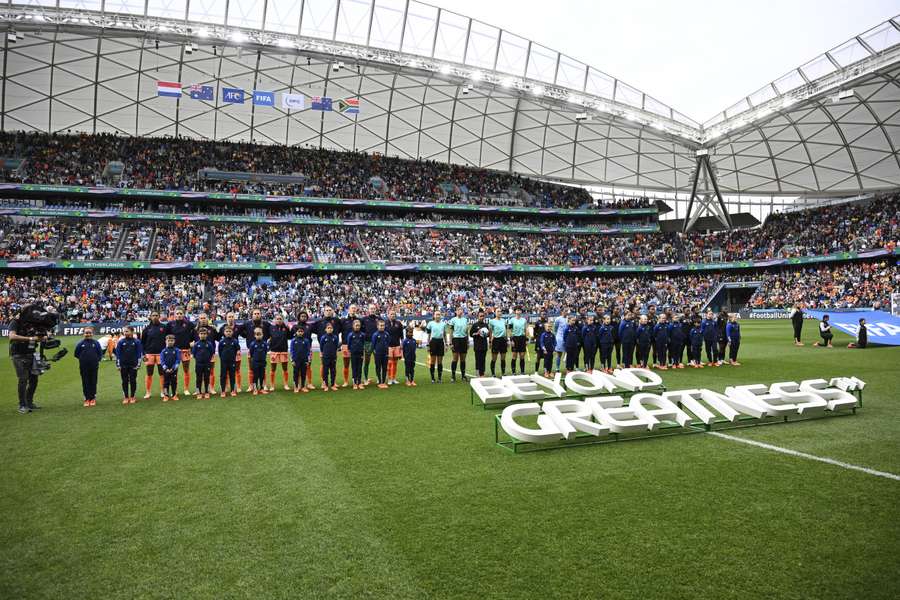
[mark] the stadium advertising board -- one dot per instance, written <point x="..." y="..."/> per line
<point x="598" y="409"/>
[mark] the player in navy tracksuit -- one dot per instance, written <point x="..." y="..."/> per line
<point x="280" y="336"/>
<point x="183" y="330"/>
<point x="380" y="343"/>
<point x="203" y="352"/>
<point x="301" y="356"/>
<point x="89" y="354"/>
<point x="572" y="344"/>
<point x="128" y="358"/>
<point x="589" y="343"/>
<point x="695" y="340"/>
<point x="676" y="344"/>
<point x="409" y="347"/>
<point x="733" y="332"/>
<point x="328" y="348"/>
<point x="258" y="352"/>
<point x="628" y="338"/>
<point x="153" y="339"/>
<point x="661" y="342"/>
<point x="356" y="344"/>
<point x="369" y="327"/>
<point x="710" y="339"/>
<point x="229" y="350"/>
<point x="607" y="341"/>
<point x="169" y="359"/>
<point x="643" y="337"/>
<point x="547" y="344"/>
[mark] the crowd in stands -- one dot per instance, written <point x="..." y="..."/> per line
<point x="83" y="296"/>
<point x="829" y="287"/>
<point x="246" y="243"/>
<point x="174" y="164"/>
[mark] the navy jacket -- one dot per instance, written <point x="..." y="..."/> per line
<point x="278" y="339"/>
<point x="88" y="353"/>
<point x="183" y="332"/>
<point x="547" y="342"/>
<point x="708" y="327"/>
<point x="203" y="352"/>
<point x="129" y="352"/>
<point x="395" y="332"/>
<point x="644" y="333"/>
<point x="733" y="331"/>
<point x="356" y="341"/>
<point x="153" y="338"/>
<point x="661" y="333"/>
<point x="696" y="336"/>
<point x="229" y="347"/>
<point x="170" y="358"/>
<point x="380" y="342"/>
<point x="571" y="339"/>
<point x="605" y="335"/>
<point x="589" y="335"/>
<point x="328" y="346"/>
<point x="258" y="352"/>
<point x="301" y="350"/>
<point x="409" y="349"/>
<point x="628" y="331"/>
<point x="676" y="333"/>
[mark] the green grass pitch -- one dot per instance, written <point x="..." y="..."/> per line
<point x="403" y="494"/>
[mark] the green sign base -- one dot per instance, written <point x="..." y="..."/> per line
<point x="666" y="429"/>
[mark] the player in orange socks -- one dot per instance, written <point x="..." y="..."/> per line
<point x="153" y="339"/>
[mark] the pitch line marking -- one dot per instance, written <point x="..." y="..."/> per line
<point x="790" y="452"/>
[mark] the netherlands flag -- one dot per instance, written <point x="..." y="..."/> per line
<point x="168" y="88"/>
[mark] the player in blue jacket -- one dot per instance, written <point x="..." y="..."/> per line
<point x="710" y="339"/>
<point x="380" y="343"/>
<point x="547" y="345"/>
<point x="169" y="360"/>
<point x="409" y="357"/>
<point x="643" y="338"/>
<point x="129" y="352"/>
<point x="589" y="342"/>
<point x="628" y="338"/>
<point x="606" y="340"/>
<point x="356" y="345"/>
<point x="661" y="342"/>
<point x="89" y="354"/>
<point x="229" y="350"/>
<point x="676" y="343"/>
<point x="733" y="333"/>
<point x="301" y="356"/>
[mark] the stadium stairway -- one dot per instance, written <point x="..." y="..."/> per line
<point x="120" y="243"/>
<point x="732" y="296"/>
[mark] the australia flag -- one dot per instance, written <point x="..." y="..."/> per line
<point x="201" y="92"/>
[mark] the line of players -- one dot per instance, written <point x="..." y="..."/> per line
<point x="163" y="347"/>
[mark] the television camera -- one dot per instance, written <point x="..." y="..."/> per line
<point x="36" y="320"/>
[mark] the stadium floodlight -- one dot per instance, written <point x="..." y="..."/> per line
<point x="11" y="37"/>
<point x="445" y="69"/>
<point x="238" y="37"/>
<point x="538" y="90"/>
<point x="203" y="32"/>
<point x="477" y="75"/>
<point x="284" y="43"/>
<point x="843" y="95"/>
<point x="580" y="117"/>
<point x="507" y="82"/>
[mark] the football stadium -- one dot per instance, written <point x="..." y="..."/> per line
<point x="373" y="299"/>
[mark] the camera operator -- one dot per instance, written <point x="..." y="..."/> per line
<point x="21" y="351"/>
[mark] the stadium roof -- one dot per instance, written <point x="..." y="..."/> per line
<point x="438" y="85"/>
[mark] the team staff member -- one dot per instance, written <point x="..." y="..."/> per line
<point x="538" y="330"/>
<point x="89" y="354"/>
<point x="212" y="335"/>
<point x="183" y="330"/>
<point x="237" y="331"/>
<point x="128" y="358"/>
<point x="436" y="329"/>
<point x="345" y="329"/>
<point x="480" y="343"/>
<point x="459" y="341"/>
<point x="256" y="322"/>
<point x="499" y="329"/>
<point x="278" y="352"/>
<point x="369" y="327"/>
<point x="394" y="328"/>
<point x="797" y="322"/>
<point x="518" y="326"/>
<point x="153" y="338"/>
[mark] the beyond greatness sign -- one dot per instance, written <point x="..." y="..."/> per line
<point x="601" y="412"/>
